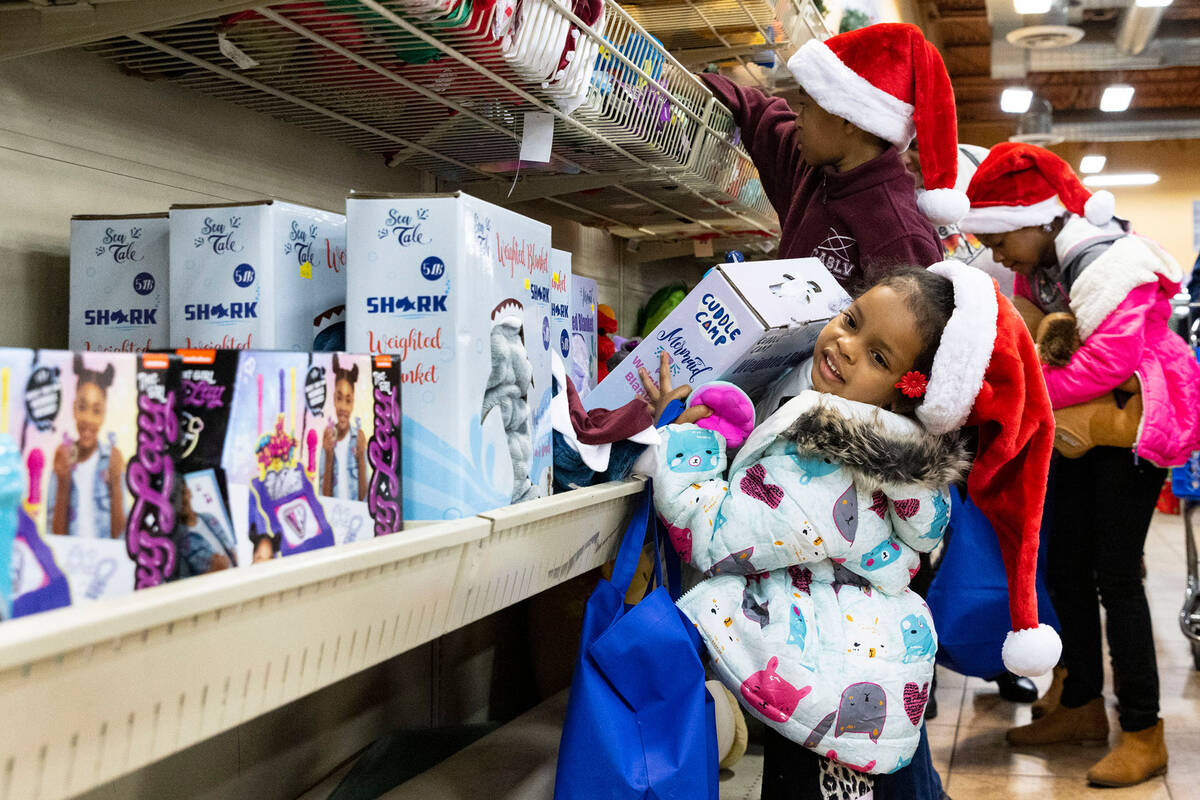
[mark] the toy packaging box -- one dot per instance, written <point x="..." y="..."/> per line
<point x="460" y="290"/>
<point x="208" y="540"/>
<point x="155" y="531"/>
<point x="743" y="323"/>
<point x="15" y="364"/>
<point x="352" y="415"/>
<point x="584" y="355"/>
<point x="81" y="429"/>
<point x="119" y="278"/>
<point x="262" y="275"/>
<point x="560" y="305"/>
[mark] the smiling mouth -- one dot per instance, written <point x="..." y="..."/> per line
<point x="837" y="373"/>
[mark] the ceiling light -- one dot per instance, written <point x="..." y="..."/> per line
<point x="1152" y="3"/>
<point x="1121" y="179"/>
<point x="1092" y="164"/>
<point x="1033" y="6"/>
<point x="1015" y="101"/>
<point x="1116" y="98"/>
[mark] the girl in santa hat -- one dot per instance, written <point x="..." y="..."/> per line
<point x="1072" y="256"/>
<point x="809" y="546"/>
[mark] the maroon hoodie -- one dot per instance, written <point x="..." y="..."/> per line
<point x="860" y="223"/>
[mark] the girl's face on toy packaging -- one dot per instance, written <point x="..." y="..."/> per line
<point x="343" y="405"/>
<point x="863" y="352"/>
<point x="91" y="405"/>
<point x="1022" y="250"/>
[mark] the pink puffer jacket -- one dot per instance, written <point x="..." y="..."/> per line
<point x="1121" y="303"/>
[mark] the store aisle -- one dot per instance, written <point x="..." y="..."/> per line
<point x="968" y="736"/>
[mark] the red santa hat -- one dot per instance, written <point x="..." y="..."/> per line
<point x="1021" y="185"/>
<point x="889" y="81"/>
<point x="986" y="374"/>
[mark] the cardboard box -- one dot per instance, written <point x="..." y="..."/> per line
<point x="352" y="413"/>
<point x="119" y="278"/>
<point x="743" y="323"/>
<point x="460" y="289"/>
<point x="81" y="431"/>
<point x="560" y="304"/>
<point x="263" y="275"/>
<point x="585" y="297"/>
<point x="156" y="532"/>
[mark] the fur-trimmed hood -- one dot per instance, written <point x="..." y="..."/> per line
<point x="876" y="446"/>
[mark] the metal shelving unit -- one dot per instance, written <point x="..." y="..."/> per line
<point x="446" y="90"/>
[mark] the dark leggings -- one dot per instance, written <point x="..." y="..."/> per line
<point x="792" y="772"/>
<point x="1103" y="503"/>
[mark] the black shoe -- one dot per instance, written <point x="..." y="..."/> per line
<point x="1015" y="688"/>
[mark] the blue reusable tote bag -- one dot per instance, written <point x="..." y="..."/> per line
<point x="640" y="724"/>
<point x="969" y="595"/>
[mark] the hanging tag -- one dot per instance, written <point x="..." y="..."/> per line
<point x="235" y="53"/>
<point x="306" y="270"/>
<point x="702" y="248"/>
<point x="537" y="138"/>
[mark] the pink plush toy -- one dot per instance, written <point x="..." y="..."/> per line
<point x="732" y="411"/>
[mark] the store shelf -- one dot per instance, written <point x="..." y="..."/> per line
<point x="102" y="690"/>
<point x="441" y="92"/>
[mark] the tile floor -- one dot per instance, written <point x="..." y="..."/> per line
<point x="967" y="737"/>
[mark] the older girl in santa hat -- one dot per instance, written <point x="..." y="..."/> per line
<point x="809" y="546"/>
<point x="1075" y="262"/>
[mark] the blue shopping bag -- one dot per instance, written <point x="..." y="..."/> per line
<point x="640" y="724"/>
<point x="969" y="595"/>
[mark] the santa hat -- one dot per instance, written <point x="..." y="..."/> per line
<point x="889" y="81"/>
<point x="1021" y="185"/>
<point x="986" y="375"/>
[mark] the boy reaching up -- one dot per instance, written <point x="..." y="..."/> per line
<point x="832" y="169"/>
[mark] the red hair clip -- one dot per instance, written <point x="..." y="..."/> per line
<point x="913" y="384"/>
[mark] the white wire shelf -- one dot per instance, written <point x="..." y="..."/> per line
<point x="442" y="85"/>
<point x="104" y="689"/>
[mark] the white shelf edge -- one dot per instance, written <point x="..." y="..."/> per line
<point x="106" y="689"/>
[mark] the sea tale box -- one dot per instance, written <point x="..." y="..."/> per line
<point x="461" y="290"/>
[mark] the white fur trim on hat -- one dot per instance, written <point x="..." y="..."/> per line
<point x="844" y="93"/>
<point x="1003" y="219"/>
<point x="1100" y="207"/>
<point x="965" y="349"/>
<point x="943" y="206"/>
<point x="1031" y="652"/>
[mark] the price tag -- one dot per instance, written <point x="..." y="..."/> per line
<point x="537" y="136"/>
<point x="306" y="270"/>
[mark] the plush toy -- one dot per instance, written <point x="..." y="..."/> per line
<point x="1111" y="419"/>
<point x="732" y="412"/>
<point x="732" y="734"/>
<point x="606" y="327"/>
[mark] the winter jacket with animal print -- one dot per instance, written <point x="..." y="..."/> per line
<point x="809" y="548"/>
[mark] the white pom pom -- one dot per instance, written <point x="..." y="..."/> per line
<point x="1100" y="207"/>
<point x="1031" y="652"/>
<point x="943" y="206"/>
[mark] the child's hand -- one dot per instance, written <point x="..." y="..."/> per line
<point x="663" y="394"/>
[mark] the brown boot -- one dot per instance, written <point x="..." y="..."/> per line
<point x="1049" y="701"/>
<point x="1139" y="757"/>
<point x="1088" y="723"/>
<point x="1079" y="428"/>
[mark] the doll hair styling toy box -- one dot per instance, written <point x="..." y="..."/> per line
<point x="352" y="442"/>
<point x="265" y="275"/>
<point x="81" y="429"/>
<point x="119" y="276"/>
<point x="460" y="289"/>
<point x="743" y="323"/>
